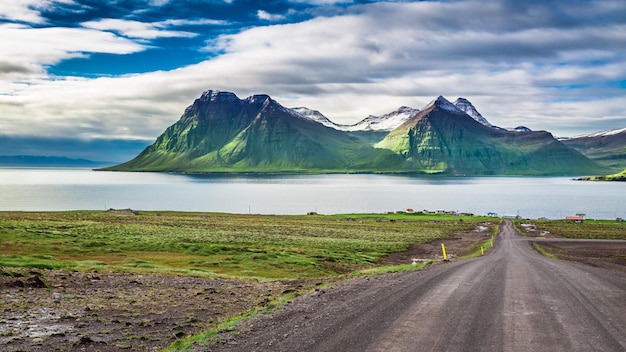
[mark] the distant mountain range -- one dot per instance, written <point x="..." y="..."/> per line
<point x="221" y="133"/>
<point x="606" y="147"/>
<point x="48" y="161"/>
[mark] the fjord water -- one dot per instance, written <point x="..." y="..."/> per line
<point x="533" y="197"/>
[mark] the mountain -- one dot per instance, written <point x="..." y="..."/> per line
<point x="316" y="116"/>
<point x="443" y="138"/>
<point x="384" y="123"/>
<point x="467" y="107"/>
<point x="48" y="161"/>
<point x="221" y="133"/>
<point x="112" y="151"/>
<point x="606" y="147"/>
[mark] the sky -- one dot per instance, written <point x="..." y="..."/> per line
<point x="124" y="70"/>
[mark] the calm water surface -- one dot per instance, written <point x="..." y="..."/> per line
<point x="533" y="197"/>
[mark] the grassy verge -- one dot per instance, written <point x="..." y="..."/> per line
<point x="543" y="251"/>
<point x="589" y="229"/>
<point x="207" y="244"/>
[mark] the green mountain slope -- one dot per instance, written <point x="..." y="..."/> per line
<point x="221" y="133"/>
<point x="442" y="138"/>
<point x="607" y="148"/>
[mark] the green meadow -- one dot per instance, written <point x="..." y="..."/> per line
<point x="213" y="244"/>
<point x="588" y="229"/>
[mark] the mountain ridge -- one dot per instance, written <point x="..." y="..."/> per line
<point x="605" y="147"/>
<point x="221" y="133"/>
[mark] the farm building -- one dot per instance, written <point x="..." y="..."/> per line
<point x="575" y="218"/>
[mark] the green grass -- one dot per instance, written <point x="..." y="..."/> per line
<point x="589" y="229"/>
<point x="543" y="251"/>
<point x="620" y="176"/>
<point x="212" y="244"/>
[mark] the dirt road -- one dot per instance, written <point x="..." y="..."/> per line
<point x="512" y="299"/>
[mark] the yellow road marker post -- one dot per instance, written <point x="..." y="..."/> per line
<point x="443" y="250"/>
<point x="482" y="250"/>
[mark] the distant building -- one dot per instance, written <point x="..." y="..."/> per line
<point x="575" y="218"/>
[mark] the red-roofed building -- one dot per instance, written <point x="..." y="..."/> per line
<point x="575" y="218"/>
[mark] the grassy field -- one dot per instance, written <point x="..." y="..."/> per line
<point x="210" y="244"/>
<point x="589" y="229"/>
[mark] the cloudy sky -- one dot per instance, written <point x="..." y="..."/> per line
<point x="126" y="69"/>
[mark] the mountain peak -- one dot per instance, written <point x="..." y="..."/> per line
<point x="443" y="104"/>
<point x="258" y="98"/>
<point x="467" y="107"/>
<point x="218" y="96"/>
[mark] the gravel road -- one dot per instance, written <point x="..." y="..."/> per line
<point x="512" y="299"/>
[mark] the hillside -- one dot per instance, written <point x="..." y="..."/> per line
<point x="221" y="133"/>
<point x="442" y="138"/>
<point x="607" y="147"/>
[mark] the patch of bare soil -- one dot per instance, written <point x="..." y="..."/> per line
<point x="610" y="255"/>
<point x="49" y="310"/>
<point x="462" y="243"/>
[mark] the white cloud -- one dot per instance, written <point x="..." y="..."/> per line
<point x="322" y="2"/>
<point x="185" y="22"/>
<point x="135" y="29"/>
<point x="27" y="10"/>
<point x="370" y="60"/>
<point x="30" y="49"/>
<point x="263" y="15"/>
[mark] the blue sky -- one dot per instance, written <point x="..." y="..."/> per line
<point x="125" y="70"/>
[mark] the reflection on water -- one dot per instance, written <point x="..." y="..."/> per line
<point x="67" y="189"/>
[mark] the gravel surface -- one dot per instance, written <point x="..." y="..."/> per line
<point x="513" y="299"/>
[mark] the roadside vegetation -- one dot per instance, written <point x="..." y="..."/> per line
<point x="210" y="244"/>
<point x="124" y="279"/>
<point x="588" y="229"/>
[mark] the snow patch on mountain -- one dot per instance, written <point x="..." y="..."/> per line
<point x="599" y="134"/>
<point x="443" y="104"/>
<point x="387" y="122"/>
<point x="316" y="116"/>
<point x="467" y="107"/>
<point x="520" y="129"/>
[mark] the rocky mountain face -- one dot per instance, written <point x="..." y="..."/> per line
<point x="221" y="133"/>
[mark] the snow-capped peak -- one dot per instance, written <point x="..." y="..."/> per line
<point x="601" y="133"/>
<point x="387" y="122"/>
<point x="316" y="116"/>
<point x="467" y="107"/>
<point x="443" y="104"/>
